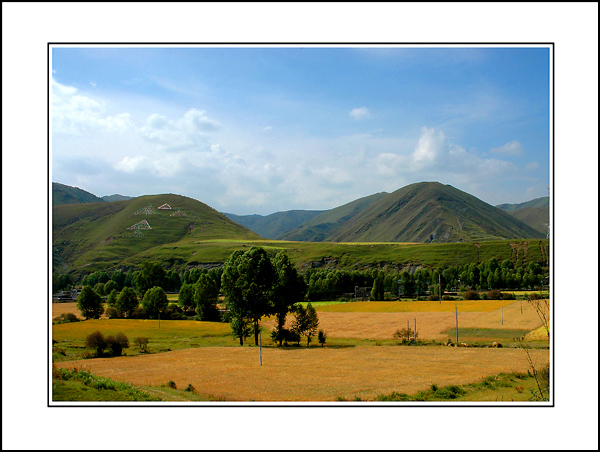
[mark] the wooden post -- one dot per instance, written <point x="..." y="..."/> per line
<point x="456" y="314"/>
<point x="260" y="347"/>
<point x="502" y="314"/>
<point x="415" y="333"/>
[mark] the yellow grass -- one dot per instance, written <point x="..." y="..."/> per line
<point x="313" y="374"/>
<point x="65" y="308"/>
<point x="416" y="306"/>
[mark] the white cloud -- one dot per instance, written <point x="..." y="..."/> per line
<point x="430" y="148"/>
<point x="512" y="148"/>
<point x="532" y="166"/>
<point x="175" y="135"/>
<point x="131" y="164"/>
<point x="360" y="113"/>
<point x="74" y="113"/>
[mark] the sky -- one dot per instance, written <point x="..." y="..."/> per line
<point x="259" y="129"/>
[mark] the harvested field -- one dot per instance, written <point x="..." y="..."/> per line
<point x="65" y="308"/>
<point x="430" y="325"/>
<point x="311" y="374"/>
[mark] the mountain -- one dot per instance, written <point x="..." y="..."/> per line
<point x="535" y="213"/>
<point x="276" y="224"/>
<point x="65" y="194"/>
<point x="111" y="198"/>
<point x="431" y="212"/>
<point x="321" y="227"/>
<point x="114" y="233"/>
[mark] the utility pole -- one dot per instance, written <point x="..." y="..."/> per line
<point x="456" y="314"/>
<point x="502" y="314"/>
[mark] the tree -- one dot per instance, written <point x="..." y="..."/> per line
<point x="306" y="321"/>
<point x="97" y="342"/>
<point x="116" y="344"/>
<point x="89" y="303"/>
<point x="322" y="336"/>
<point x="151" y="274"/>
<point x="206" y="295"/>
<point x="155" y="301"/>
<point x="186" y="297"/>
<point x="127" y="302"/>
<point x="289" y="288"/>
<point x="238" y="310"/>
<point x="110" y="286"/>
<point x="111" y="301"/>
<point x="377" y="293"/>
<point x="247" y="283"/>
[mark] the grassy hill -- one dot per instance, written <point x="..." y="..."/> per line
<point x="431" y="212"/>
<point x="64" y="194"/>
<point x="276" y="224"/>
<point x="97" y="235"/>
<point x="535" y="213"/>
<point x="322" y="227"/>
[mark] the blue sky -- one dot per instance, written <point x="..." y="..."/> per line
<point x="251" y="129"/>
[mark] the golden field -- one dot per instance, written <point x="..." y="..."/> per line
<point x="315" y="374"/>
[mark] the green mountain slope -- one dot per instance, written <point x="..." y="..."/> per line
<point x="535" y="213"/>
<point x="321" y="227"/>
<point x="101" y="234"/>
<point x="272" y="226"/>
<point x="431" y="212"/>
<point x="64" y="194"/>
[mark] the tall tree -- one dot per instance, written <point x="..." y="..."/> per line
<point x="206" y="295"/>
<point x="155" y="301"/>
<point x="234" y="298"/>
<point x="247" y="282"/>
<point x="127" y="302"/>
<point x="186" y="296"/>
<point x="151" y="274"/>
<point x="289" y="288"/>
<point x="89" y="303"/>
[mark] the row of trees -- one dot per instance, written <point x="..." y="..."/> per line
<point x="256" y="286"/>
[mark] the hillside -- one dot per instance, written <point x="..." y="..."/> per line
<point x="112" y="233"/>
<point x="535" y="213"/>
<point x="64" y="194"/>
<point x="431" y="212"/>
<point x="272" y="226"/>
<point x="321" y="227"/>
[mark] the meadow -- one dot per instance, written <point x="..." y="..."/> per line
<point x="359" y="361"/>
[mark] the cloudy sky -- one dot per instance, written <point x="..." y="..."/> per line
<point x="252" y="129"/>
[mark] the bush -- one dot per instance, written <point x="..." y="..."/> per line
<point x="116" y="344"/>
<point x="446" y="297"/>
<point x="509" y="296"/>
<point x="111" y="313"/>
<point x="141" y="342"/>
<point x="97" y="342"/>
<point x="471" y="295"/>
<point x="494" y="295"/>
<point x="433" y="297"/>
<point x="139" y="313"/>
<point x="322" y="337"/>
<point x="66" y="318"/>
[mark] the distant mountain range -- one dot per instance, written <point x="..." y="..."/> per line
<point x="424" y="212"/>
<point x="535" y="213"/>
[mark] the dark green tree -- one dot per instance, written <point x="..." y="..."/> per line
<point x="89" y="303"/>
<point x="155" y="301"/>
<point x="289" y="288"/>
<point x="186" y="297"/>
<point x="111" y="301"/>
<point x="109" y="287"/>
<point x="306" y="321"/>
<point x="377" y="293"/>
<point x="127" y="302"/>
<point x="151" y="274"/>
<point x="206" y="295"/>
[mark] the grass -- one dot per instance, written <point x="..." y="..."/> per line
<point x="172" y="335"/>
<point x="310" y="374"/>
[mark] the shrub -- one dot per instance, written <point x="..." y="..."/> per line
<point x="171" y="384"/>
<point x="446" y="297"/>
<point x="111" y="313"/>
<point x="139" y="313"/>
<point x="494" y="295"/>
<point x="471" y="295"/>
<point x="97" y="342"/>
<point x="116" y="344"/>
<point x="433" y="297"/>
<point x="509" y="296"/>
<point x="190" y="388"/>
<point x="66" y="318"/>
<point x="322" y="337"/>
<point x="141" y="342"/>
